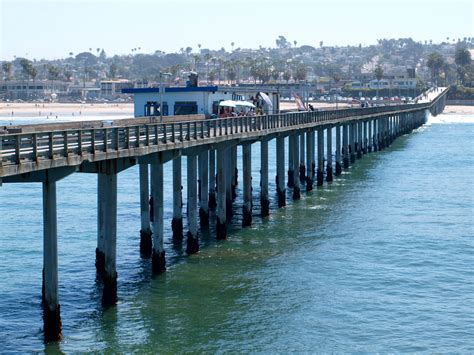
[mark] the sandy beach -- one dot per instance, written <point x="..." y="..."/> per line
<point x="12" y="109"/>
<point x="126" y="109"/>
<point x="460" y="110"/>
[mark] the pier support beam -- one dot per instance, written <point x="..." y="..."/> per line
<point x="247" y="171"/>
<point x="280" y="178"/>
<point x="309" y="160"/>
<point x="329" y="176"/>
<point x="192" y="245"/>
<point x="369" y="139"/>
<point x="234" y="172"/>
<point x="364" y="140"/>
<point x="145" y="231"/>
<point x="345" y="145"/>
<point x="51" y="307"/>
<point x="107" y="235"/>
<point x="302" y="167"/>
<point x="338" y="150"/>
<point x="264" y="201"/>
<point x="352" y="134"/>
<point x="177" y="221"/>
<point x="221" y="218"/>
<point x="375" y="139"/>
<point x="296" y="159"/>
<point x="291" y="165"/>
<point x="204" y="188"/>
<point x="229" y="181"/>
<point x="158" y="261"/>
<point x="359" y="139"/>
<point x="212" y="179"/>
<point x="320" y="173"/>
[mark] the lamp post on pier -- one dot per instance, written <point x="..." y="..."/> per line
<point x="162" y="88"/>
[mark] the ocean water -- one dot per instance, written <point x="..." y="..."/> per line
<point x="380" y="260"/>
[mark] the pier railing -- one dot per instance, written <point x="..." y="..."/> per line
<point x="23" y="152"/>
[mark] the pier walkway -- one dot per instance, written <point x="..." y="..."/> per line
<point x="46" y="154"/>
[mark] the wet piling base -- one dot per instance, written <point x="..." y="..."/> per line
<point x="109" y="294"/>
<point x="246" y="217"/>
<point x="309" y="184"/>
<point x="296" y="193"/>
<point x="52" y="325"/>
<point x="192" y="244"/>
<point x="177" y="228"/>
<point x="353" y="158"/>
<point x="338" y="168"/>
<point x="302" y="173"/>
<point x="221" y="230"/>
<point x="228" y="209"/>
<point x="99" y="261"/>
<point x="290" y="178"/>
<point x="203" y="218"/>
<point x="319" y="178"/>
<point x="345" y="163"/>
<point x="212" y="201"/>
<point x="329" y="176"/>
<point x="145" y="244"/>
<point x="281" y="198"/>
<point x="265" y="204"/>
<point x="158" y="262"/>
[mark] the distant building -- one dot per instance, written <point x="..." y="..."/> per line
<point x="22" y="89"/>
<point x="193" y="100"/>
<point x="112" y="88"/>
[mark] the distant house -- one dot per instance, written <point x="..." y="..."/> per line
<point x="111" y="88"/>
<point x="192" y="100"/>
<point x="22" y="89"/>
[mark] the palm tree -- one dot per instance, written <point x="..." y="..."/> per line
<point x="7" y="69"/>
<point x="378" y="72"/>
<point x="435" y="63"/>
<point x="295" y="42"/>
<point x="232" y="45"/>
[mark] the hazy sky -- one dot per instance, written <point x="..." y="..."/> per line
<point x="53" y="28"/>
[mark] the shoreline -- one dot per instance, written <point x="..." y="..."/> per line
<point x="78" y="110"/>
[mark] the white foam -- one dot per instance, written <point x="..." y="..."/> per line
<point x="450" y="118"/>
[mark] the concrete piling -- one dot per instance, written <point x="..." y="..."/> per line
<point x="192" y="245"/>
<point x="280" y="161"/>
<point x="319" y="172"/>
<point x="359" y="139"/>
<point x="221" y="215"/>
<point x="329" y="176"/>
<point x="296" y="165"/>
<point x="177" y="221"/>
<point x="291" y="165"/>
<point x="338" y="150"/>
<point x="247" y="171"/>
<point x="51" y="308"/>
<point x="212" y="179"/>
<point x="352" y="135"/>
<point x="158" y="254"/>
<point x="264" y="200"/>
<point x="145" y="231"/>
<point x="203" y="163"/>
<point x="309" y="160"/>
<point x="302" y="167"/>
<point x="345" y="145"/>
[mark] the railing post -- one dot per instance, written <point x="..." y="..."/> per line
<point x="164" y="133"/>
<point x="65" y="143"/>
<point x="79" y="142"/>
<point x="93" y="141"/>
<point x="35" y="148"/>
<point x="106" y="135"/>
<point x="173" y="133"/>
<point x="51" y="145"/>
<point x="127" y="138"/>
<point x="188" y="129"/>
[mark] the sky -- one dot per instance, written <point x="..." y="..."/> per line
<point x="50" y="29"/>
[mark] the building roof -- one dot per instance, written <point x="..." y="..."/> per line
<point x="171" y="89"/>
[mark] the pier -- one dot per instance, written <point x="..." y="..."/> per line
<point x="210" y="146"/>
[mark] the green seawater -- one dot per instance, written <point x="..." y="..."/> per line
<point x="380" y="260"/>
